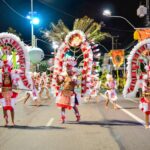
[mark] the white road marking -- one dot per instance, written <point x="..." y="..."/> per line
<point x="129" y="99"/>
<point x="129" y="113"/>
<point x="49" y="123"/>
<point x="132" y="115"/>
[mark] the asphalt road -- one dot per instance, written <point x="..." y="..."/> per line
<point x="39" y="128"/>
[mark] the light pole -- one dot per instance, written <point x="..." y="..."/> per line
<point x="33" y="21"/>
<point x="147" y="15"/>
<point x="107" y="13"/>
<point x="113" y="44"/>
<point x="32" y="26"/>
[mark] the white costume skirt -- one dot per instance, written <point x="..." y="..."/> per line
<point x="144" y="106"/>
<point x="111" y="94"/>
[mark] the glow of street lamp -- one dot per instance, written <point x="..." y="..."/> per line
<point x="35" y="20"/>
<point x="107" y="12"/>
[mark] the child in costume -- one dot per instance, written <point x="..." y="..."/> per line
<point x="111" y="94"/>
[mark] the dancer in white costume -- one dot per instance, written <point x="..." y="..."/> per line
<point x="34" y="93"/>
<point x="44" y="85"/>
<point x="94" y="89"/>
<point x="111" y="94"/>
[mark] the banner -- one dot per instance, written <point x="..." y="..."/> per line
<point x="117" y="57"/>
<point x="141" y="34"/>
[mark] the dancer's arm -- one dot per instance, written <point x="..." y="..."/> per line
<point x="60" y="81"/>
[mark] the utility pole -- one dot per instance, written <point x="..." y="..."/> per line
<point x="148" y="14"/>
<point x="113" y="41"/>
<point x="33" y="39"/>
<point x="144" y="11"/>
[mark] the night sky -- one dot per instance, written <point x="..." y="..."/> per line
<point x="52" y="10"/>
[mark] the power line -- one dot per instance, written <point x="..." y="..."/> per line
<point x="13" y="9"/>
<point x="57" y="9"/>
<point x="130" y="45"/>
<point x="115" y="29"/>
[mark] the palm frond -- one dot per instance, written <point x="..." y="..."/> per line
<point x="90" y="28"/>
<point x="57" y="32"/>
<point x="82" y="23"/>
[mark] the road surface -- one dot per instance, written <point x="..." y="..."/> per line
<point x="39" y="128"/>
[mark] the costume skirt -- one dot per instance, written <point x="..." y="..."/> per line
<point x="67" y="99"/>
<point x="111" y="94"/>
<point x="144" y="106"/>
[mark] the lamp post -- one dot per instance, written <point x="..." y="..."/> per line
<point x="147" y="15"/>
<point x="32" y="27"/>
<point x="33" y="21"/>
<point x="107" y="13"/>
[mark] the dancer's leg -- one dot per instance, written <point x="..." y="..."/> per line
<point x="63" y="115"/>
<point x="5" y="116"/>
<point x="47" y="92"/>
<point x="12" y="116"/>
<point x="146" y="121"/>
<point x="41" y="92"/>
<point x="27" y="97"/>
<point x="115" y="105"/>
<point x="76" y="111"/>
<point x="106" y="102"/>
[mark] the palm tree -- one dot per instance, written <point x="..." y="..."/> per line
<point x="58" y="32"/>
<point x="13" y="31"/>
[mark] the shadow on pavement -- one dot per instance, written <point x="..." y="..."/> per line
<point x="41" y="105"/>
<point x="32" y="127"/>
<point x="129" y="108"/>
<point x="108" y="123"/>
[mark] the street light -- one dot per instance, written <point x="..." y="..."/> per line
<point x="36" y="54"/>
<point x="33" y="21"/>
<point x="107" y="13"/>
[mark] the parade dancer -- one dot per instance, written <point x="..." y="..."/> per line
<point x="8" y="97"/>
<point x="14" y="65"/>
<point x="43" y="85"/>
<point x="145" y="101"/>
<point x="67" y="98"/>
<point x="110" y="94"/>
<point x="95" y="87"/>
<point x="34" y="94"/>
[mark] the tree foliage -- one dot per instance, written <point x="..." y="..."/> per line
<point x="58" y="32"/>
<point x="13" y="31"/>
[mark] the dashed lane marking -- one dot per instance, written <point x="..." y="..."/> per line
<point x="49" y="123"/>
